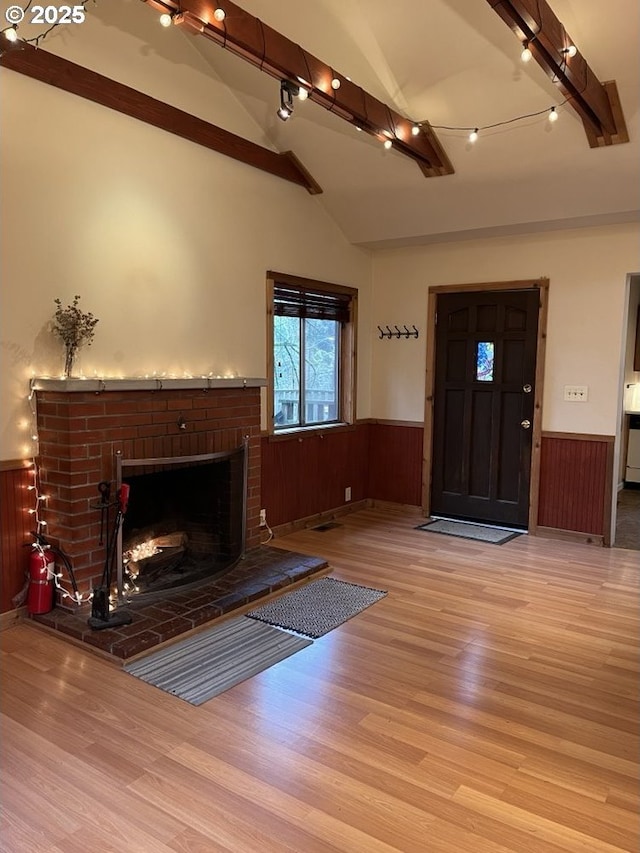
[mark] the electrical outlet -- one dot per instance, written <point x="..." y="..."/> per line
<point x="576" y="393"/>
<point x="263" y="518"/>
<point x="347" y="494"/>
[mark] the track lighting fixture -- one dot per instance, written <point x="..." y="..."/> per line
<point x="388" y="144"/>
<point x="219" y="14"/>
<point x="526" y="54"/>
<point x="335" y="83"/>
<point x="166" y="20"/>
<point x="415" y="130"/>
<point x="287" y="93"/>
<point x="11" y="34"/>
<point x="570" y="51"/>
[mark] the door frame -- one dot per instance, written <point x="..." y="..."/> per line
<point x="542" y="284"/>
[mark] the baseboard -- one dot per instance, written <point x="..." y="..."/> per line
<point x="392" y="506"/>
<point x="319" y="518"/>
<point x="12" y="617"/>
<point x="570" y="536"/>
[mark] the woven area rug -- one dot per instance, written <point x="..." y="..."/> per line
<point x="317" y="608"/>
<point x="201" y="667"/>
<point x="464" y="530"/>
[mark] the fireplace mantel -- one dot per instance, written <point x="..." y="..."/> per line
<point x="202" y="383"/>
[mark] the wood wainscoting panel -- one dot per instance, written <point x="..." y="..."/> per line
<point x="395" y="462"/>
<point x="305" y="474"/>
<point x="575" y="483"/>
<point x="15" y="527"/>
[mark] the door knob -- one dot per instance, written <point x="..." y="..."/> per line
<point x="526" y="388"/>
<point x="525" y="424"/>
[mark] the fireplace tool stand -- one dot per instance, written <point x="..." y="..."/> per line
<point x="101" y="617"/>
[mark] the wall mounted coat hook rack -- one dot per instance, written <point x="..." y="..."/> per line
<point x="397" y="332"/>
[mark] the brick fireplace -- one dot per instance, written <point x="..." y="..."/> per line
<point x="84" y="425"/>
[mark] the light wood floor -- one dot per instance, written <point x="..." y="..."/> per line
<point x="487" y="704"/>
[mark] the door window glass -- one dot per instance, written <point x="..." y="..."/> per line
<point x="484" y="361"/>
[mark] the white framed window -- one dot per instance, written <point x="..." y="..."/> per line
<point x="311" y="356"/>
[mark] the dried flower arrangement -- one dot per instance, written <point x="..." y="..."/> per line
<point x="75" y="328"/>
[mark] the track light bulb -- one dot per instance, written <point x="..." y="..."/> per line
<point x="219" y="15"/>
<point x="553" y="115"/>
<point x="11" y="34"/>
<point x="335" y="83"/>
<point x="473" y="136"/>
<point x="165" y="20"/>
<point x="284" y="113"/>
<point x="526" y="54"/>
<point x="303" y="94"/>
<point x="570" y="51"/>
<point x="415" y="130"/>
<point x="388" y="144"/>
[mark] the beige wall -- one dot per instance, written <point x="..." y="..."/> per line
<point x="166" y="242"/>
<point x="587" y="269"/>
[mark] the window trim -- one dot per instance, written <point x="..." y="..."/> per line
<point x="347" y="366"/>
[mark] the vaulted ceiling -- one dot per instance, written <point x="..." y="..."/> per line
<point x="456" y="65"/>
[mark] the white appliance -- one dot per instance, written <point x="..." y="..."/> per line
<point x="632" y="473"/>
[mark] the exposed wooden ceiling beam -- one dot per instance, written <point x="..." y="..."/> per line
<point x="249" y="38"/>
<point x="597" y="104"/>
<point x="59" y="72"/>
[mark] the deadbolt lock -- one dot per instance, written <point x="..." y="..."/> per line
<point x="525" y="424"/>
<point x="526" y="388"/>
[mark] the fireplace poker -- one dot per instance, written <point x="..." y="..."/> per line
<point x="105" y="492"/>
<point x="101" y="617"/>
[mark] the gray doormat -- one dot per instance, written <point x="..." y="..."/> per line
<point x="318" y="607"/>
<point x="201" y="667"/>
<point x="464" y="530"/>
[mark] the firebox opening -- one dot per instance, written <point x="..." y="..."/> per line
<point x="185" y="521"/>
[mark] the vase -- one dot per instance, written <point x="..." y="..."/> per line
<point x="68" y="362"/>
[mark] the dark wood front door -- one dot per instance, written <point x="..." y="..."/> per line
<point x="485" y="371"/>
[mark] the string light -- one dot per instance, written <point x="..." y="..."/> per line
<point x="11" y="35"/>
<point x="471" y="130"/>
<point x="39" y="505"/>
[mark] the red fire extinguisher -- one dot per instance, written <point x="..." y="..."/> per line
<point x="41" y="572"/>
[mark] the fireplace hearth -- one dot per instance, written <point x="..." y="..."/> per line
<point x="261" y="573"/>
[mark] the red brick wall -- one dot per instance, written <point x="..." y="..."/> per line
<point x="80" y="434"/>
